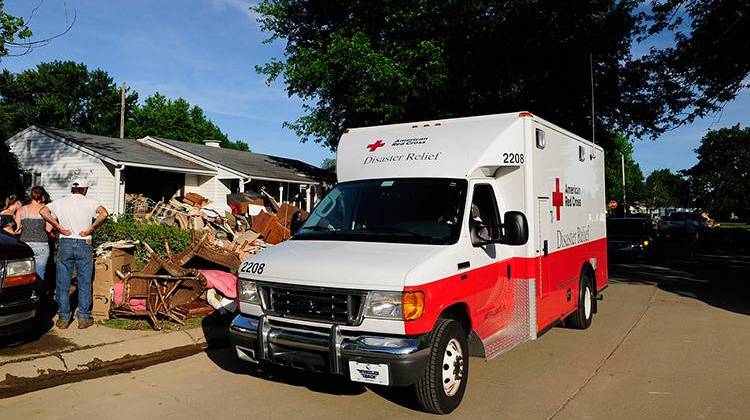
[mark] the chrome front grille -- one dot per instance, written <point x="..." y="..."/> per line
<point x="337" y="306"/>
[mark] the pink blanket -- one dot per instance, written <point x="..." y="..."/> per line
<point x="225" y="283"/>
<point x="137" y="305"/>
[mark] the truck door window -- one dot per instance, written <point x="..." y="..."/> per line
<point x="484" y="211"/>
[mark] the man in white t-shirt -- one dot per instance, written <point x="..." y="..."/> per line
<point x="72" y="216"/>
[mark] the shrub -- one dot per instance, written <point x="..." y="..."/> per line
<point x="128" y="228"/>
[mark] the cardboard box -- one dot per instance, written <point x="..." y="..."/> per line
<point x="105" y="276"/>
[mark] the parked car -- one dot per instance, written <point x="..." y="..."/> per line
<point x="630" y="238"/>
<point x="683" y="225"/>
<point x="19" y="288"/>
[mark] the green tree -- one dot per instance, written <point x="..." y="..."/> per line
<point x="635" y="189"/>
<point x="358" y="63"/>
<point x="706" y="65"/>
<point x="666" y="189"/>
<point x="329" y="164"/>
<point x="61" y="94"/>
<point x="720" y="181"/>
<point x="10" y="173"/>
<point x="176" y="119"/>
<point x="11" y="28"/>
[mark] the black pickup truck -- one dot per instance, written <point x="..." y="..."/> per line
<point x="19" y="287"/>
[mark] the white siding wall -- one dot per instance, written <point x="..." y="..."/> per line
<point x="58" y="163"/>
<point x="208" y="186"/>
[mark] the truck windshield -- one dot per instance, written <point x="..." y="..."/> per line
<point x="403" y="210"/>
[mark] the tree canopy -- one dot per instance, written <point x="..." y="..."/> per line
<point x="634" y="186"/>
<point x="11" y="29"/>
<point x="720" y="181"/>
<point x="175" y="119"/>
<point x="667" y="189"/>
<point x="61" y="94"/>
<point x="359" y="63"/>
<point x="68" y="95"/>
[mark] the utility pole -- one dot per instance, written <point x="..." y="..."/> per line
<point x="122" y="112"/>
<point x="593" y="116"/>
<point x="622" y="167"/>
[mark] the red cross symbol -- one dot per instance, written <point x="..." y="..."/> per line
<point x="557" y="197"/>
<point x="374" y="146"/>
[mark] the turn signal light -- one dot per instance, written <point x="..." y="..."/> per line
<point x="413" y="305"/>
<point x="645" y="243"/>
<point x="19" y="280"/>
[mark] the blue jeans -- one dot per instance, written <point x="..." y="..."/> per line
<point x="74" y="253"/>
<point x="41" y="256"/>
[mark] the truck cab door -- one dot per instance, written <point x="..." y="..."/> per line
<point x="491" y="289"/>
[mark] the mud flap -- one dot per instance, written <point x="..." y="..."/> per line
<point x="522" y="325"/>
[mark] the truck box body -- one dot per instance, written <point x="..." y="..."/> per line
<point x="484" y="167"/>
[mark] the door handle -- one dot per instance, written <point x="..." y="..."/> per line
<point x="545" y="249"/>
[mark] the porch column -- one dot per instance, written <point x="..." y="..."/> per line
<point x="307" y="198"/>
<point x="281" y="193"/>
<point x="116" y="207"/>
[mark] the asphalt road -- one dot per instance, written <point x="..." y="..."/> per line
<point x="666" y="343"/>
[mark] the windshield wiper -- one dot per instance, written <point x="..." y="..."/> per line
<point x="392" y="229"/>
<point x="317" y="228"/>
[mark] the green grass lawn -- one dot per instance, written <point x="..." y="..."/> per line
<point x="144" y="324"/>
<point x="735" y="225"/>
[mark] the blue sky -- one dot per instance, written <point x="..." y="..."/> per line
<point x="205" y="51"/>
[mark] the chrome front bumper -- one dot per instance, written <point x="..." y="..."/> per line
<point x="326" y="350"/>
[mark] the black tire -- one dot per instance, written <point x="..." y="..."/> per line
<point x="580" y="319"/>
<point x="429" y="388"/>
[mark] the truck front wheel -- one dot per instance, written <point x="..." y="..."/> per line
<point x="442" y="385"/>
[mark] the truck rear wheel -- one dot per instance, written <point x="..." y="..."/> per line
<point x="581" y="318"/>
<point x="442" y="385"/>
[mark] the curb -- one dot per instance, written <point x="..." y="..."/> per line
<point x="79" y="364"/>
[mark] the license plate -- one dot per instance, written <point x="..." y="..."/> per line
<point x="368" y="373"/>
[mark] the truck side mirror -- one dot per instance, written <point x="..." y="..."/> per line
<point x="515" y="228"/>
<point x="295" y="223"/>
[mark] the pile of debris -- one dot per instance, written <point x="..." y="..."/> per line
<point x="192" y="283"/>
<point x="251" y="222"/>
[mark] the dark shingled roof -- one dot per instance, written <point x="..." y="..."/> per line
<point x="254" y="164"/>
<point x="125" y="150"/>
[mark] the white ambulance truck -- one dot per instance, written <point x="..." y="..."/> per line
<point x="442" y="240"/>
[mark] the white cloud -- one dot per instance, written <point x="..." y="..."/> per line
<point x="241" y="6"/>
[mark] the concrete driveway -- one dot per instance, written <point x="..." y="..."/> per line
<point x="655" y="350"/>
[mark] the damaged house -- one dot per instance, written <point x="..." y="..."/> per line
<point x="159" y="168"/>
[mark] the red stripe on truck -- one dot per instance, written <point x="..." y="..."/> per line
<point x="487" y="294"/>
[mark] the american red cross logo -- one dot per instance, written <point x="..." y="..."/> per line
<point x="557" y="197"/>
<point x="374" y="146"/>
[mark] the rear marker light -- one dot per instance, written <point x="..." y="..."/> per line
<point x="525" y="114"/>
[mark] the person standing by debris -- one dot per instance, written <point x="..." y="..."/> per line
<point x="35" y="230"/>
<point x="74" y="214"/>
<point x="8" y="215"/>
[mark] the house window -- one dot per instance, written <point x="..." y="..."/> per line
<point x="28" y="180"/>
<point x="31" y="179"/>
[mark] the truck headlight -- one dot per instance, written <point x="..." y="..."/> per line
<point x="406" y="306"/>
<point x="247" y="291"/>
